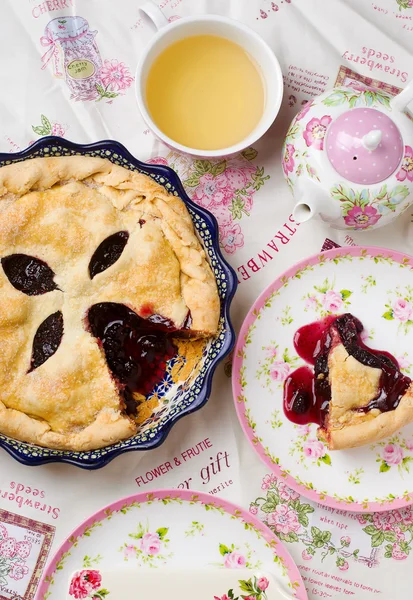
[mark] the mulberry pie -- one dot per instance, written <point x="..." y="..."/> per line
<point x="356" y="395"/>
<point x="101" y="273"/>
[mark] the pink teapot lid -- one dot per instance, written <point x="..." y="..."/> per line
<point x="364" y="145"/>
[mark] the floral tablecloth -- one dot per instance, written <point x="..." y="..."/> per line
<point x="339" y="554"/>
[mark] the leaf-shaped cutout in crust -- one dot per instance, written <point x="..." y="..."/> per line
<point x="108" y="252"/>
<point x="47" y="339"/>
<point x="28" y="274"/>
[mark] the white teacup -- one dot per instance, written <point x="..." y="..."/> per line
<point x="253" y="44"/>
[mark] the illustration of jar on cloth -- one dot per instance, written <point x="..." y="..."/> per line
<point x="75" y="54"/>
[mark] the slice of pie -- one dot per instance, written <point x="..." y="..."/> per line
<point x="358" y="395"/>
<point x="102" y="281"/>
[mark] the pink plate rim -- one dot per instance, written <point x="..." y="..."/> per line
<point x="313" y="495"/>
<point x="187" y="495"/>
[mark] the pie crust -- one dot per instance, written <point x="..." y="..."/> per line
<point x="59" y="210"/>
<point x="353" y="386"/>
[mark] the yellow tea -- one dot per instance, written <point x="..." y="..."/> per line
<point x="205" y="92"/>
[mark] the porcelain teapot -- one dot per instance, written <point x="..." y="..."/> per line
<point x="348" y="157"/>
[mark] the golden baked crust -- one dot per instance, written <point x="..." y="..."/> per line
<point x="59" y="210"/>
<point x="353" y="386"/>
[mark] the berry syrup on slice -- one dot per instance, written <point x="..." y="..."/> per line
<point x="307" y="394"/>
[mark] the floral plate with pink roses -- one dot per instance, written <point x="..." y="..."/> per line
<point x="376" y="286"/>
<point x="173" y="529"/>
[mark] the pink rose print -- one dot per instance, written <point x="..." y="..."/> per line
<point x="398" y="554"/>
<point x="280" y="370"/>
<point x="18" y="571"/>
<point x="3" y="532"/>
<point x="150" y="544"/>
<point x="286" y="493"/>
<point x="224" y="597"/>
<point x="314" y="449"/>
<point x="402" y="310"/>
<point x="332" y="301"/>
<point x="311" y="303"/>
<point x="392" y="454"/>
<point x="306" y="555"/>
<point x="406" y="170"/>
<point x="116" y="75"/>
<point x="344" y="566"/>
<point x="303" y="429"/>
<point x="253" y="509"/>
<point x="263" y="583"/>
<point x="225" y="187"/>
<point x="315" y="132"/>
<point x="409" y="444"/>
<point x="345" y="541"/>
<point x="361" y="217"/>
<point x="283" y="519"/>
<point x="129" y="551"/>
<point x="212" y="191"/>
<point x="232" y="238"/>
<point x="267" y="481"/>
<point x="386" y="521"/>
<point x="94" y="578"/>
<point x="361" y="519"/>
<point x="84" y="582"/>
<point x="288" y="159"/>
<point x="234" y="560"/>
<point x="406" y="515"/>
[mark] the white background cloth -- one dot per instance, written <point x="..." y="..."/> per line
<point x="312" y="39"/>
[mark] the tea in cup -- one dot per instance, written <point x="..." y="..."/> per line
<point x="207" y="85"/>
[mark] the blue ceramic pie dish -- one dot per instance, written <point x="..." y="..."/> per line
<point x="174" y="401"/>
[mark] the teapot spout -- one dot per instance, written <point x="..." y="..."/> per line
<point x="315" y="203"/>
<point x="303" y="212"/>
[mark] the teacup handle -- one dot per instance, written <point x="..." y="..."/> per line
<point x="155" y="14"/>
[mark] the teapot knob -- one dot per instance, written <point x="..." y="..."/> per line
<point x="372" y="139"/>
<point x="364" y="145"/>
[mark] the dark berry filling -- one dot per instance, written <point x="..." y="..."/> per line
<point x="393" y="384"/>
<point x="137" y="349"/>
<point x="307" y="394"/>
<point x="47" y="339"/>
<point x="28" y="274"/>
<point x="108" y="252"/>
